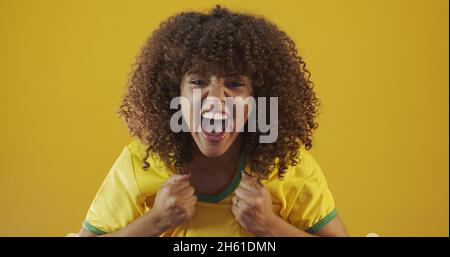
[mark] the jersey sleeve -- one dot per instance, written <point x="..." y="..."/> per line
<point x="314" y="205"/>
<point x="119" y="199"/>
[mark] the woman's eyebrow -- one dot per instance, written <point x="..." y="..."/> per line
<point x="196" y="74"/>
<point x="235" y="76"/>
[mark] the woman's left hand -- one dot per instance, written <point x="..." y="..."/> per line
<point x="252" y="206"/>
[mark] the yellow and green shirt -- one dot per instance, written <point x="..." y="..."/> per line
<point x="302" y="198"/>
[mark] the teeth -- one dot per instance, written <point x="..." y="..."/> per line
<point x="214" y="115"/>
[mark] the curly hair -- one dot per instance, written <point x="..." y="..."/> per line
<point x="221" y="42"/>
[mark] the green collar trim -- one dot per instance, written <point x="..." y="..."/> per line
<point x="230" y="188"/>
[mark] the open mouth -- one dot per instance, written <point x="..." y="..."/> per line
<point x="214" y="124"/>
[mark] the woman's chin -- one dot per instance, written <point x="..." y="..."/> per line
<point x="213" y="154"/>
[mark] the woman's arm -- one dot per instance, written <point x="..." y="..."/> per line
<point x="278" y="227"/>
<point x="146" y="225"/>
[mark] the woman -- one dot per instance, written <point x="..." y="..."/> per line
<point x="211" y="181"/>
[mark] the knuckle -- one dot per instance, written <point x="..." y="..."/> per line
<point x="169" y="190"/>
<point x="172" y="202"/>
<point x="259" y="201"/>
<point x="184" y="215"/>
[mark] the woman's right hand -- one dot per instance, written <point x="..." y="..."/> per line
<point x="174" y="203"/>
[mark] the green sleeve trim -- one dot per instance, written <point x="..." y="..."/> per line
<point x="231" y="187"/>
<point x="316" y="227"/>
<point x="92" y="229"/>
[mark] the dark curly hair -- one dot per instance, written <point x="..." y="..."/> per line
<point x="220" y="42"/>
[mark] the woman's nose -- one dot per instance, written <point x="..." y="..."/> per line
<point x="217" y="89"/>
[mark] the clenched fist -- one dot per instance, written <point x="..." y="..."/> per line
<point x="252" y="205"/>
<point x="174" y="203"/>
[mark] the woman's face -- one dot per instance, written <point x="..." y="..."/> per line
<point x="215" y="122"/>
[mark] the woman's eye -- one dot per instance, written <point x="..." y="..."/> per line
<point x="235" y="84"/>
<point x="198" y="82"/>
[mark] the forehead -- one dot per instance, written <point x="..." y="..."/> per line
<point x="218" y="67"/>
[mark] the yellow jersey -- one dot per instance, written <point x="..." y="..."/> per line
<point x="302" y="198"/>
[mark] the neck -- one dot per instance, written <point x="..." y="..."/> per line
<point x="223" y="163"/>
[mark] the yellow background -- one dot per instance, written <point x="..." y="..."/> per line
<point x="380" y="69"/>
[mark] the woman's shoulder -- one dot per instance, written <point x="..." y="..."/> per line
<point x="307" y="161"/>
<point x="136" y="148"/>
<point x="139" y="153"/>
<point x="140" y="158"/>
<point x="306" y="167"/>
<point x="305" y="178"/>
